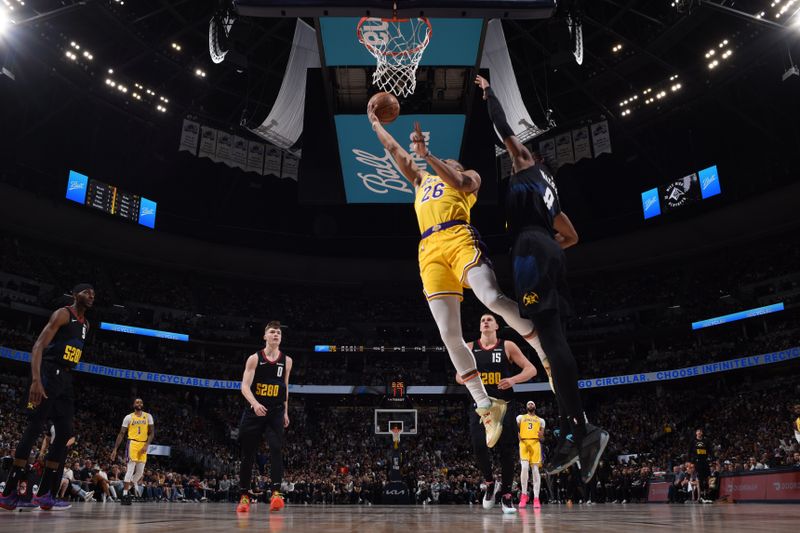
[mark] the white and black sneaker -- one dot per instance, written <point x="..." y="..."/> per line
<point x="490" y="494"/>
<point x="507" y="504"/>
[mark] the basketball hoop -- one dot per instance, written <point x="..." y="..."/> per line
<point x="397" y="44"/>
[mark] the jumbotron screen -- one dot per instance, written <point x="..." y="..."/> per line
<point x="110" y="199"/>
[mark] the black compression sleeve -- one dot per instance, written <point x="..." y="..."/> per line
<point x="497" y="115"/>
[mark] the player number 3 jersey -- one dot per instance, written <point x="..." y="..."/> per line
<point x="529" y="426"/>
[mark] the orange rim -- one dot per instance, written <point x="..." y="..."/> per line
<point x="372" y="49"/>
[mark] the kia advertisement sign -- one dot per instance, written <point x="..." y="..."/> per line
<point x="369" y="171"/>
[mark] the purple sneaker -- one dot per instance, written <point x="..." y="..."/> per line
<point x="26" y="506"/>
<point x="10" y="502"/>
<point x="47" y="503"/>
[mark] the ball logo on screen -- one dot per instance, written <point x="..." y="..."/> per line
<point x="385" y="175"/>
<point x="76" y="185"/>
<point x="709" y="180"/>
<point x="648" y="203"/>
<point x="371" y="174"/>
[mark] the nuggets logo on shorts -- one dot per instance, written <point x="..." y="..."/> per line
<point x="530" y="298"/>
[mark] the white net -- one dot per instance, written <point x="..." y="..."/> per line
<point x="398" y="46"/>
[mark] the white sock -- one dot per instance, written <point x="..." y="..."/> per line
<point x="446" y="312"/>
<point x="537" y="481"/>
<point x="484" y="284"/>
<point x="523" y="477"/>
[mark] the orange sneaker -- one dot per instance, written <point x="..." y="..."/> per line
<point x="244" y="504"/>
<point x="276" y="503"/>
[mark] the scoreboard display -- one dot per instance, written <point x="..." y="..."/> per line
<point x="110" y="199"/>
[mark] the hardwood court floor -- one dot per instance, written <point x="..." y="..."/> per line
<point x="201" y="518"/>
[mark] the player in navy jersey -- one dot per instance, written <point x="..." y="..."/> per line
<point x="55" y="354"/>
<point x="541" y="232"/>
<point x="501" y="364"/>
<point x="265" y="386"/>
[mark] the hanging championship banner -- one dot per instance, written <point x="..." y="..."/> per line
<point x="580" y="140"/>
<point x="190" y="133"/>
<point x="290" y="165"/>
<point x="601" y="138"/>
<point x="208" y="143"/>
<point x="255" y="157"/>
<point x="239" y="152"/>
<point x="548" y="150"/>
<point x="272" y="161"/>
<point x="564" y="152"/>
<point x="223" y="154"/>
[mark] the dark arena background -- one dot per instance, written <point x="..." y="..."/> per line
<point x="209" y="167"/>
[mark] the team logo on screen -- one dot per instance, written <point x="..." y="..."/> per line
<point x="678" y="193"/>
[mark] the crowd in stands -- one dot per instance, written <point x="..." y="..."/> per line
<point x="626" y="322"/>
<point x="333" y="456"/>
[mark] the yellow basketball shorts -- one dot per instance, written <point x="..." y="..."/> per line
<point x="531" y="451"/>
<point x="137" y="451"/>
<point x="445" y="257"/>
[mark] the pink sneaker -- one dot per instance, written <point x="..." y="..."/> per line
<point x="536" y="504"/>
<point x="523" y="501"/>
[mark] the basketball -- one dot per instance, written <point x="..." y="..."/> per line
<point x="386" y="107"/>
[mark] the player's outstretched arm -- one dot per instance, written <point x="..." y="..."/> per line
<point x="402" y="158"/>
<point x="520" y="155"/>
<point x="462" y="180"/>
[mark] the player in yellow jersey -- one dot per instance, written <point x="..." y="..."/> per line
<point x="797" y="423"/>
<point x="531" y="433"/>
<point x="451" y="257"/>
<point x="140" y="431"/>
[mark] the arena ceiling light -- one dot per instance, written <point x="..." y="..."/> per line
<point x="719" y="53"/>
<point x="176" y="47"/>
<point x="200" y="73"/>
<point x="5" y="20"/>
<point x="616" y="48"/>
